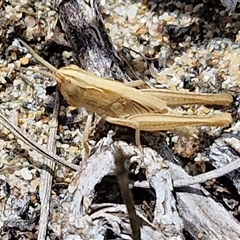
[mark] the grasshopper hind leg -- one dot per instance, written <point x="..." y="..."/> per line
<point x="86" y="147"/>
<point x="138" y="142"/>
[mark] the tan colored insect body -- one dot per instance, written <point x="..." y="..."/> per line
<point x="139" y="109"/>
<point x="106" y="97"/>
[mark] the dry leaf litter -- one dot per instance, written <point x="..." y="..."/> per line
<point x="188" y="46"/>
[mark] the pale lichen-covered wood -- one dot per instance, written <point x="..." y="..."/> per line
<point x="230" y="4"/>
<point x="203" y="217"/>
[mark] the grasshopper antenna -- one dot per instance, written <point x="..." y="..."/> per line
<point x="37" y="57"/>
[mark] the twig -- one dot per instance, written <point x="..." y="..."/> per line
<point x="18" y="133"/>
<point x="143" y="56"/>
<point x="209" y="175"/>
<point x="46" y="176"/>
<point x="27" y="81"/>
<point x="123" y="182"/>
<point x="37" y="57"/>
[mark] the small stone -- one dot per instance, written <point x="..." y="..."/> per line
<point x="197" y="7"/>
<point x="155" y="19"/>
<point x="71" y="108"/>
<point x="35" y="183"/>
<point x="142" y="30"/>
<point x="45" y="120"/>
<point x="166" y="17"/>
<point x="165" y="39"/>
<point x="65" y="146"/>
<point x="121" y="11"/>
<point x="205" y="110"/>
<point x="24" y="60"/>
<point x="139" y="65"/>
<point x="66" y="54"/>
<point x="29" y="21"/>
<point x="132" y="12"/>
<point x="15" y="94"/>
<point x="154" y="30"/>
<point x="13" y="56"/>
<point x="41" y="92"/>
<point x="19" y="15"/>
<point x="188" y="8"/>
<point x="73" y="149"/>
<point x="24" y="173"/>
<point x="60" y="173"/>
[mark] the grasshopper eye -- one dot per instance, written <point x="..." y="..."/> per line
<point x="66" y="86"/>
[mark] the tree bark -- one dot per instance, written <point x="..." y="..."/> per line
<point x="92" y="48"/>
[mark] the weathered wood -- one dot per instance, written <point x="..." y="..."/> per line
<point x="97" y="219"/>
<point x="203" y="218"/>
<point x="92" y="48"/>
<point x="46" y="174"/>
<point x="225" y="152"/>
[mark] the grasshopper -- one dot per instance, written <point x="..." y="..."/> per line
<point x="142" y="110"/>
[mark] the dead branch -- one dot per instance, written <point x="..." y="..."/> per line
<point x="46" y="175"/>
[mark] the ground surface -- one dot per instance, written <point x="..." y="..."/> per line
<point x="192" y="45"/>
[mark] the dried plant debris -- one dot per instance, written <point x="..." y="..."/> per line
<point x="226" y="150"/>
<point x="179" y="45"/>
<point x="87" y="219"/>
<point x="230" y="4"/>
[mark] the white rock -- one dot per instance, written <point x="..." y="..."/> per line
<point x="121" y="11"/>
<point x="24" y="173"/>
<point x="132" y="12"/>
<point x="230" y="4"/>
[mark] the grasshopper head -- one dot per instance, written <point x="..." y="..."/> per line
<point x="70" y="84"/>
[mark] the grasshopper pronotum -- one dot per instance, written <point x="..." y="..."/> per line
<point x="120" y="104"/>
